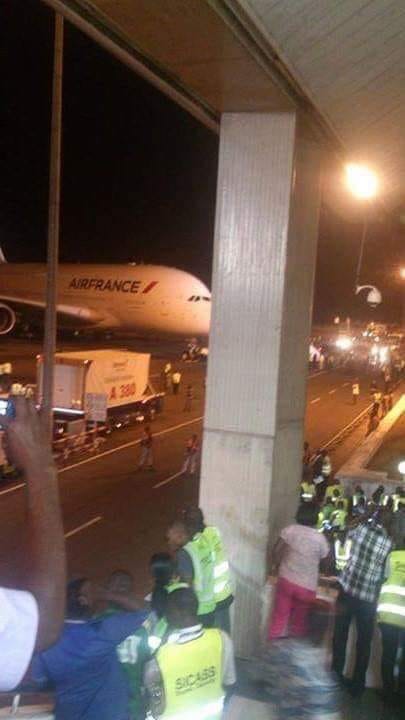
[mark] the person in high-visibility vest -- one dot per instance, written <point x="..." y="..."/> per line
<point x="334" y="491"/>
<point x="192" y="672"/>
<point x="307" y="491"/>
<point x="339" y="516"/>
<point x="223" y="588"/>
<point x="391" y="619"/>
<point x="398" y="499"/>
<point x="195" y="566"/>
<point x="342" y="547"/>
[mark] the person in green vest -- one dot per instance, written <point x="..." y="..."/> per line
<point x="324" y="515"/>
<point x="134" y="651"/>
<point x="223" y="589"/>
<point x="338" y="517"/>
<point x="398" y="499"/>
<point x="193" y="671"/>
<point x="342" y="549"/>
<point x="307" y="491"/>
<point x="194" y="566"/>
<point x="391" y="620"/>
<point x="166" y="580"/>
<point x="334" y="491"/>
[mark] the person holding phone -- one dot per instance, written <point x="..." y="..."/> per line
<point x="31" y="617"/>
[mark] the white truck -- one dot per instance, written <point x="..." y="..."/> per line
<point x="101" y="386"/>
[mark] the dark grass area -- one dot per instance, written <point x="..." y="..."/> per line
<point x="391" y="451"/>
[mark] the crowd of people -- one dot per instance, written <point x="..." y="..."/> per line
<point x="360" y="541"/>
<point x="101" y="653"/>
<point x="104" y="654"/>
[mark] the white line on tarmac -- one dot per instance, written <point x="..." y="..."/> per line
<point x="85" y="525"/>
<point x="129" y="444"/>
<point x="345" y="384"/>
<point x="169" y="479"/>
<point x="315" y="401"/>
<point x="109" y="452"/>
<point x="12" y="489"/>
<point x="332" y="391"/>
<point x="320" y="372"/>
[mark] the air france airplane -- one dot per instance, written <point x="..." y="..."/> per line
<point x="146" y="300"/>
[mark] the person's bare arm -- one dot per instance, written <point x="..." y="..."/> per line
<point x="128" y="603"/>
<point x="276" y="555"/>
<point x="30" y="451"/>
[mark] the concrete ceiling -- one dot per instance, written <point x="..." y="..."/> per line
<point x="341" y="62"/>
<point x="349" y="57"/>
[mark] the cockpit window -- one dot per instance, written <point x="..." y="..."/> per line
<point x="191" y="298"/>
<point x="207" y="299"/>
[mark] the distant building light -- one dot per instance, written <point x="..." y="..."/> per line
<point x="401" y="467"/>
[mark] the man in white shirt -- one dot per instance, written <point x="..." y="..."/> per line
<point x="32" y="618"/>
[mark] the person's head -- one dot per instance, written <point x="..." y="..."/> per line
<point x="307" y="514"/>
<point x="362" y="501"/>
<point x="336" y="494"/>
<point x="377" y="493"/>
<point x="177" y="535"/>
<point x="400" y="491"/>
<point x="162" y="569"/>
<point x="181" y="610"/>
<point x="340" y="505"/>
<point x="324" y="453"/>
<point x="79" y="599"/>
<point x="194" y="520"/>
<point x="120" y="582"/>
<point x="358" y="490"/>
<point x="382" y="516"/>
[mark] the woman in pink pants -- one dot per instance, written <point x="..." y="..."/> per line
<point x="298" y="551"/>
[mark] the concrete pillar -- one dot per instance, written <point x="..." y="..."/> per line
<point x="264" y="258"/>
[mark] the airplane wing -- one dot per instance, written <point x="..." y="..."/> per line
<point x="68" y="315"/>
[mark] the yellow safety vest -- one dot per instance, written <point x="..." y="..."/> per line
<point x="308" y="491"/>
<point x="342" y="553"/>
<point x="399" y="501"/>
<point x="338" y="518"/>
<point x="391" y="603"/>
<point x="203" y="564"/>
<point x="161" y="627"/>
<point x="222" y="577"/>
<point x="330" y="490"/>
<point x="192" y="678"/>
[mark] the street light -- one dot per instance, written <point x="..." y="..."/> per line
<point x="401" y="468"/>
<point x="402" y="273"/>
<point x="362" y="181"/>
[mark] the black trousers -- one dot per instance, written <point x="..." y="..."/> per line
<point x="393" y="638"/>
<point x="363" y="613"/>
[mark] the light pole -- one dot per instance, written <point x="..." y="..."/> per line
<point x="53" y="230"/>
<point x="402" y="276"/>
<point x="363" y="184"/>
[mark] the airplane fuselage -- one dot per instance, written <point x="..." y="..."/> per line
<point x="144" y="299"/>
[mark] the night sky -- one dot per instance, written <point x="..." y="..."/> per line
<point x="139" y="173"/>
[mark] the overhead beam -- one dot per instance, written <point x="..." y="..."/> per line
<point x="145" y="67"/>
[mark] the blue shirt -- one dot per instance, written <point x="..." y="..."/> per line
<point x="84" y="670"/>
